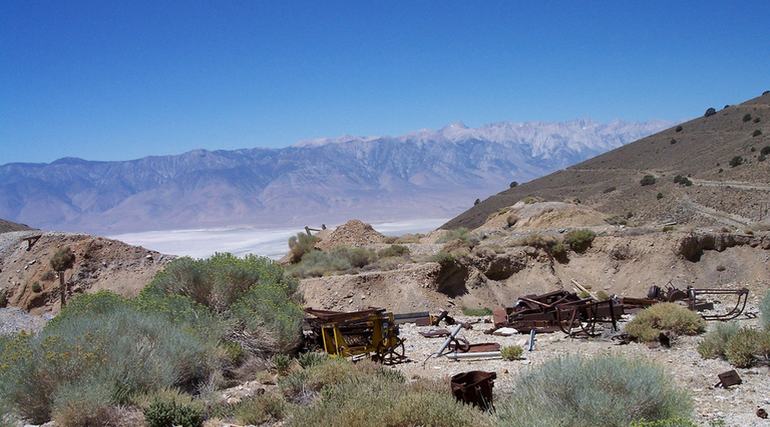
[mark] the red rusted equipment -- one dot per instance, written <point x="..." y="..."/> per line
<point x="475" y="388"/>
<point x="559" y="310"/>
<point x="742" y="296"/>
<point x="729" y="378"/>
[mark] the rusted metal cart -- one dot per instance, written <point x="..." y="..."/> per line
<point x="372" y="332"/>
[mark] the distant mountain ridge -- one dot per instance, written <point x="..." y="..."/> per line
<point x="421" y="174"/>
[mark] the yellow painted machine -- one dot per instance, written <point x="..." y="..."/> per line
<point x="371" y="332"/>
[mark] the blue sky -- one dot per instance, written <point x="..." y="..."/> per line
<point x="111" y="80"/>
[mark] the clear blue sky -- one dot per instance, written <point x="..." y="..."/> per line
<point x="124" y="79"/>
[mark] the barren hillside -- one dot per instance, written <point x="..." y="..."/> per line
<point x="721" y="153"/>
<point x="6" y="226"/>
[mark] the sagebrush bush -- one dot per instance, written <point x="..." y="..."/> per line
<point x="461" y="233"/>
<point x="129" y="350"/>
<point x="220" y="280"/>
<point x="281" y="363"/>
<point x="647" y="180"/>
<point x="511" y="352"/>
<point x="261" y="409"/>
<point x="746" y="117"/>
<point x="665" y="316"/>
<point x="300" y="245"/>
<point x="84" y="404"/>
<point x="268" y="314"/>
<point x="511" y="220"/>
<point x="354" y="395"/>
<point x="735" y="161"/>
<point x="393" y="251"/>
<point x="339" y="259"/>
<point x="171" y="408"/>
<point x="756" y="133"/>
<point x="579" y="240"/>
<point x="715" y="341"/>
<point x="601" y="391"/>
<point x="311" y="358"/>
<point x="746" y="346"/>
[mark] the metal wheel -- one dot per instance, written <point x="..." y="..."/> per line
<point x="459" y="344"/>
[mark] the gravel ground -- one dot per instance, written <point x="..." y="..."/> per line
<point x="14" y="320"/>
<point x="735" y="406"/>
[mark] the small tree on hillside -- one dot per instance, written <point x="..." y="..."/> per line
<point x="62" y="261"/>
<point x="514" y="184"/>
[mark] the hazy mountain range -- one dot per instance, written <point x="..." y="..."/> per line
<point x="423" y="174"/>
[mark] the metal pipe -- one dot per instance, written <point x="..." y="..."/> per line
<point x="485" y="354"/>
<point x="449" y="339"/>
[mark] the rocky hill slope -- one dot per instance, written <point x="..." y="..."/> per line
<point x="722" y="155"/>
<point x="6" y="226"/>
<point x="27" y="281"/>
<point x="422" y="174"/>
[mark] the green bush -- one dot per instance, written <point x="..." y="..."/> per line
<point x="443" y="258"/>
<point x="746" y="346"/>
<point x="3" y="299"/>
<point x="673" y="141"/>
<point x="647" y="180"/>
<point x="84" y="404"/>
<point x="579" y="240"/>
<point x="172" y="408"/>
<point x="668" y="422"/>
<point x="765" y="150"/>
<point x="300" y="245"/>
<point x="678" y="128"/>
<point x="709" y="112"/>
<point x="601" y="391"/>
<point x="682" y="180"/>
<point x="311" y="358"/>
<point x="261" y="409"/>
<point x="714" y="343"/>
<point x="218" y="281"/>
<point x="756" y="133"/>
<point x="281" y="363"/>
<point x="393" y="251"/>
<point x="511" y="352"/>
<point x="461" y="233"/>
<point x="513" y="184"/>
<point x="268" y="314"/>
<point x="666" y="316"/>
<point x="659" y="196"/>
<point x="354" y="395"/>
<point x="128" y="350"/>
<point x="746" y="117"/>
<point x="736" y="161"/>
<point x="36" y="288"/>
<point x="339" y="259"/>
<point x="477" y="312"/>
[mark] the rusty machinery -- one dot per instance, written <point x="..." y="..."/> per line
<point x="372" y="332"/>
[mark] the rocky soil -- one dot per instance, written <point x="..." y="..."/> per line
<point x="27" y="282"/>
<point x="735" y="406"/>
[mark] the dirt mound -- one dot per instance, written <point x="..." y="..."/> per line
<point x="27" y="281"/>
<point x="544" y="215"/>
<point x="352" y="233"/>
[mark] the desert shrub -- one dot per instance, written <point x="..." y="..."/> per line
<point x="536" y="240"/>
<point x="559" y="251"/>
<point x="511" y="352"/>
<point x="268" y="313"/>
<point x="218" y="281"/>
<point x="609" y="190"/>
<point x="667" y="422"/>
<point x="84" y="404"/>
<point x="659" y="196"/>
<point x="647" y="180"/>
<point x="616" y="220"/>
<point x="476" y="202"/>
<point x="715" y="341"/>
<point x="673" y="141"/>
<point x="764" y="310"/>
<point x="530" y="200"/>
<point x="300" y="245"/>
<point x="667" y="228"/>
<point x="746" y="117"/>
<point x="3" y="299"/>
<point x="409" y="238"/>
<point x="261" y="409"/>
<point x="171" y="408"/>
<point x="756" y="133"/>
<point x="36" y="288"/>
<point x="761" y="158"/>
<point x="281" y="363"/>
<point x="746" y="346"/>
<point x="127" y="350"/>
<point x="339" y="259"/>
<point x="579" y="240"/>
<point x="602" y="295"/>
<point x="511" y="220"/>
<point x="461" y="233"/>
<point x="601" y="391"/>
<point x="678" y="128"/>
<point x="408" y="405"/>
<point x="650" y="322"/>
<point x="476" y="312"/>
<point x="513" y="184"/>
<point x="311" y="358"/>
<point x="393" y="251"/>
<point x="443" y="258"/>
<point x="682" y="180"/>
<point x="736" y="161"/>
<point x="709" y="112"/>
<point x="757" y="119"/>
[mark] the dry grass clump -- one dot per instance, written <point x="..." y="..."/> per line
<point x="511" y="352"/>
<point x="715" y="341"/>
<point x="666" y="316"/>
<point x="345" y="394"/>
<point x="579" y="240"/>
<point x="261" y="409"/>
<point x="747" y="346"/>
<point x="300" y="245"/>
<point x="601" y="391"/>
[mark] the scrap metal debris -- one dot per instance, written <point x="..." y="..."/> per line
<point x="475" y="388"/>
<point x="729" y="378"/>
